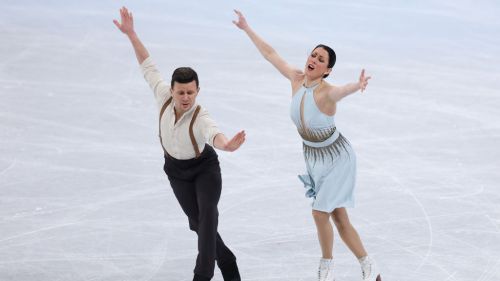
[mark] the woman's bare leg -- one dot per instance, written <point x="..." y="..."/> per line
<point x="325" y="232"/>
<point x="347" y="232"/>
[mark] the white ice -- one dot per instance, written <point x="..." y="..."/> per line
<point x="82" y="192"/>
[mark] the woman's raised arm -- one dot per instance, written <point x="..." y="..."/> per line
<point x="267" y="51"/>
<point x="337" y="93"/>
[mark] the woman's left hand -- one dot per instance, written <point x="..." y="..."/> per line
<point x="363" y="80"/>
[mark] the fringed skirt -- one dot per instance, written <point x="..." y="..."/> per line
<point x="331" y="173"/>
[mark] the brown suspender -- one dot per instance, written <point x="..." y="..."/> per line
<point x="165" y="105"/>
<point x="191" y="134"/>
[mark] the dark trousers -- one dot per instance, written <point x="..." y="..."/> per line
<point x="197" y="186"/>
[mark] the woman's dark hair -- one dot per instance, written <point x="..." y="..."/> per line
<point x="184" y="75"/>
<point x="332" y="57"/>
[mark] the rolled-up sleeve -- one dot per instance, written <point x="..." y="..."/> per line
<point x="160" y="88"/>
<point x="208" y="127"/>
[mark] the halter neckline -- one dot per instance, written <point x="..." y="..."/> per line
<point x="312" y="86"/>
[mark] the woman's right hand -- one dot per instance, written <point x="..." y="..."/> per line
<point x="242" y="22"/>
<point x="127" y="21"/>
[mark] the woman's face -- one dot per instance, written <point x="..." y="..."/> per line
<point x="317" y="63"/>
<point x="184" y="95"/>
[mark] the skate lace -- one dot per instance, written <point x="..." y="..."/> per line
<point x="366" y="268"/>
<point x="323" y="271"/>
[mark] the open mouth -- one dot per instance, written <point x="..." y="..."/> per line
<point x="311" y="67"/>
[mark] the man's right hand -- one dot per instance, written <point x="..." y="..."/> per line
<point x="127" y="22"/>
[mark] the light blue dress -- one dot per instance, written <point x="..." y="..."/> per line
<point x="330" y="159"/>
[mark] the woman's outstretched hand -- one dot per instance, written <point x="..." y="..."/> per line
<point x="363" y="80"/>
<point x="127" y="21"/>
<point x="241" y="23"/>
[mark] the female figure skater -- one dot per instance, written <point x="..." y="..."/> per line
<point x="330" y="160"/>
<point x="191" y="165"/>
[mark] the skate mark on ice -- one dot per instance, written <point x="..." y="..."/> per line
<point x="406" y="190"/>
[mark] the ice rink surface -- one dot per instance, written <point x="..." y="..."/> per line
<point x="82" y="192"/>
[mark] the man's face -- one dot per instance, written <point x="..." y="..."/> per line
<point x="184" y="95"/>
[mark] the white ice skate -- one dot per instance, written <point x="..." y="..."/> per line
<point x="369" y="269"/>
<point x="325" y="270"/>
